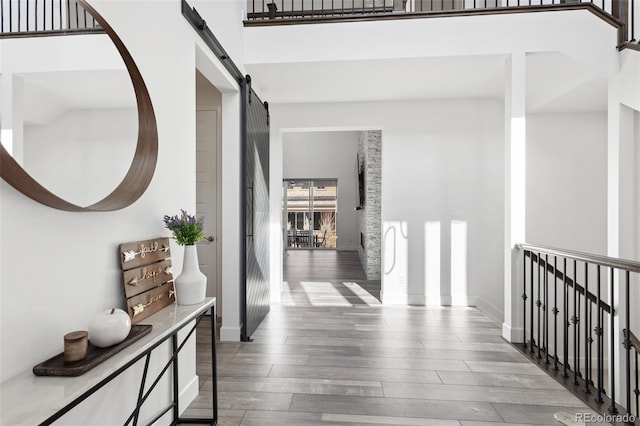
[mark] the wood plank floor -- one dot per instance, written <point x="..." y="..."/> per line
<point x="331" y="354"/>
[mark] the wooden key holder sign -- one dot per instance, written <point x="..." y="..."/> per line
<point x="147" y="277"/>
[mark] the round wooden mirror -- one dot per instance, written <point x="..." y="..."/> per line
<point x="136" y="179"/>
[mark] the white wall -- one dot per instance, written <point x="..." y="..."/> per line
<point x="225" y="19"/>
<point x="636" y="168"/>
<point x="328" y="155"/>
<point x="441" y="161"/>
<point x="635" y="315"/>
<point x="491" y="34"/>
<point x="60" y="268"/>
<point x="566" y="199"/>
<point x="91" y="153"/>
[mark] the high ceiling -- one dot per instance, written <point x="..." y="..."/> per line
<point x="555" y="82"/>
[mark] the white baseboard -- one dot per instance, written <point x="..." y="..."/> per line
<point x="487" y="308"/>
<point x="416" y="299"/>
<point x="513" y="335"/>
<point x="229" y="334"/>
<point x="490" y="310"/>
<point x="394" y="299"/>
<point x="189" y="393"/>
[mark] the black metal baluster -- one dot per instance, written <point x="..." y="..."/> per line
<point x="612" y="354"/>
<point x="544" y="309"/>
<point x="637" y="390"/>
<point x="36" y="16"/>
<point x="577" y="373"/>
<point x="587" y="326"/>
<point x="627" y="342"/>
<point x="591" y="344"/>
<point x="531" y="303"/>
<point x="524" y="298"/>
<point x="574" y="320"/>
<point x="566" y="322"/>
<point x="44" y="15"/>
<point x="77" y="17"/>
<point x="633" y="20"/>
<point x="60" y="14"/>
<point x="68" y="13"/>
<point x="555" y="313"/>
<point x="52" y="14"/>
<point x="2" y="16"/>
<point x="539" y="305"/>
<point x="28" y="14"/>
<point x="599" y="333"/>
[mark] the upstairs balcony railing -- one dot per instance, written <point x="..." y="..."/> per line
<point x="625" y="12"/>
<point x="19" y="17"/>
<point x="577" y="311"/>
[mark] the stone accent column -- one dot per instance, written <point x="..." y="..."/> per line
<point x="370" y="246"/>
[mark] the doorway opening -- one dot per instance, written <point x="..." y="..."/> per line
<point x="208" y="182"/>
<point x="310" y="209"/>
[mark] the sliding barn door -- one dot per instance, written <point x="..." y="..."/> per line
<point x="256" y="296"/>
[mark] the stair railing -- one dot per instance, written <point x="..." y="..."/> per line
<point x="572" y="327"/>
<point x="27" y="17"/>
<point x="623" y="13"/>
<point x="635" y="344"/>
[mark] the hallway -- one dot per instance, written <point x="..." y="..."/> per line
<point x="326" y="278"/>
<point x="331" y="354"/>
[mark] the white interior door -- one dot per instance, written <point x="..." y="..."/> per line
<point x="206" y="198"/>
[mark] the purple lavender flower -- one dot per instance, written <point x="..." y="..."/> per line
<point x="187" y="230"/>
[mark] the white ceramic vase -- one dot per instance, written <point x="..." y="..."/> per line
<point x="191" y="284"/>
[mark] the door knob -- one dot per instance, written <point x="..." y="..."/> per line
<point x="210" y="238"/>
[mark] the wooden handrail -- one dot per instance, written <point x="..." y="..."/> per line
<point x="559" y="274"/>
<point x="50" y="33"/>
<point x="629" y="45"/>
<point x="254" y="21"/>
<point x="635" y="342"/>
<point x="609" y="262"/>
<point x="620" y="10"/>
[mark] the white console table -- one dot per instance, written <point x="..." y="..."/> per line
<point x="29" y="400"/>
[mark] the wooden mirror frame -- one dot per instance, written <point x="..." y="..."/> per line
<point x="143" y="165"/>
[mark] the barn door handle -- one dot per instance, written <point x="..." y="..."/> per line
<point x="251" y="203"/>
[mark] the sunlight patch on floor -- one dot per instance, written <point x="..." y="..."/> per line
<point x="326" y="293"/>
